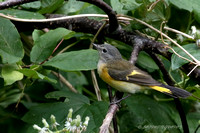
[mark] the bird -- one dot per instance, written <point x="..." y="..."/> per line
<point x="126" y="77"/>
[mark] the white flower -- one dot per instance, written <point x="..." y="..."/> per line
<point x="41" y="130"/>
<point x="86" y="121"/>
<point x="72" y="128"/>
<point x="54" y="122"/>
<point x="44" y="130"/>
<point x="194" y="30"/>
<point x="37" y="127"/>
<point x="69" y="116"/>
<point x="67" y="124"/>
<point x="45" y="122"/>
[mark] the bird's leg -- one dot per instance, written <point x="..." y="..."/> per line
<point x="117" y="101"/>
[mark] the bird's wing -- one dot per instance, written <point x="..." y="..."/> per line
<point x="129" y="73"/>
<point x="125" y="71"/>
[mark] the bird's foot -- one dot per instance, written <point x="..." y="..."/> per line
<point x="117" y="101"/>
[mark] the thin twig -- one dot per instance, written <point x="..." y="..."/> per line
<point x="57" y="46"/>
<point x="192" y="70"/>
<point x="178" y="32"/>
<point x="67" y="47"/>
<point x="52" y="19"/>
<point x="98" y="32"/>
<point x="198" y="62"/>
<point x="153" y="5"/>
<point x="67" y="83"/>
<point x="22" y="87"/>
<point x="171" y="47"/>
<point x="96" y="86"/>
<point x="180" y="55"/>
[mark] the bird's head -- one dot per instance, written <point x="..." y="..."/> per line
<point x="108" y="52"/>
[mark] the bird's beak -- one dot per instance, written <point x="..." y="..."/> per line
<point x="96" y="46"/>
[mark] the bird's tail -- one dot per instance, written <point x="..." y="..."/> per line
<point x="172" y="91"/>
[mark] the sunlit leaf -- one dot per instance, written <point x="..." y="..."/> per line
<point x="36" y="75"/>
<point x="11" y="49"/>
<point x="75" y="60"/>
<point x="10" y="74"/>
<point x="22" y="14"/>
<point x="45" y="44"/>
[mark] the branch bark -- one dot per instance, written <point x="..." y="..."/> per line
<point x="106" y="122"/>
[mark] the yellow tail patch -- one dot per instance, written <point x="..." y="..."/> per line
<point x="161" y="89"/>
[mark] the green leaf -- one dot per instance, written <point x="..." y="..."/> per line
<point x="10" y="74"/>
<point x="75" y="60"/>
<point x="22" y="14"/>
<point x="183" y="4"/>
<point x="11" y="49"/>
<point x="118" y="7"/>
<point x="36" y="75"/>
<point x="32" y="5"/>
<point x="36" y="113"/>
<point x="46" y="43"/>
<point x="50" y="6"/>
<point x="70" y="96"/>
<point x="76" y="78"/>
<point x="193" y="121"/>
<point x="146" y="62"/>
<point x="197" y="14"/>
<point x="188" y="5"/>
<point x="130" y="4"/>
<point x="178" y="62"/>
<point x="97" y="112"/>
<point x="147" y="114"/>
<point x="71" y="7"/>
<point x="36" y="34"/>
<point x="92" y="8"/>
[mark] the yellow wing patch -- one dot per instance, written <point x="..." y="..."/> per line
<point x="161" y="89"/>
<point x="134" y="72"/>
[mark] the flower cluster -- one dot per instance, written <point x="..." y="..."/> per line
<point x="71" y="125"/>
<point x="196" y="35"/>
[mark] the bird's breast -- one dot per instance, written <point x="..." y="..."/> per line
<point x="119" y="85"/>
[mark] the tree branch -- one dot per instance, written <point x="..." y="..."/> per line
<point x="106" y="122"/>
<point x="162" y="68"/>
<point x="113" y="22"/>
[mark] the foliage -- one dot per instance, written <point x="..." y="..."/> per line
<point x="29" y="91"/>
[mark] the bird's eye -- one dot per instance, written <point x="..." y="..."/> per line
<point x="104" y="50"/>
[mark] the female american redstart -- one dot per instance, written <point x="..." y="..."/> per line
<point x="125" y="77"/>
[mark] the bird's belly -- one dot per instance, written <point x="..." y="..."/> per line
<point x="119" y="85"/>
<point x="125" y="86"/>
